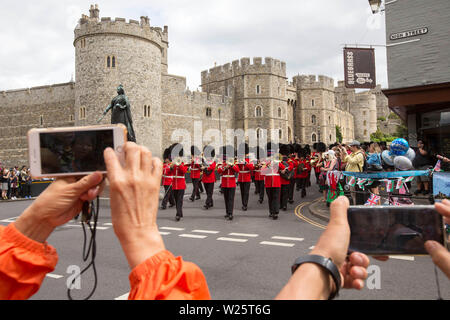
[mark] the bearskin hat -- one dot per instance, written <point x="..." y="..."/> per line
<point x="209" y="152"/>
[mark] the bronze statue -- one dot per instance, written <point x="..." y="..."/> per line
<point x="121" y="112"/>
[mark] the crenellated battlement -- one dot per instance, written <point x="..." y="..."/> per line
<point x="94" y="25"/>
<point x="313" y="82"/>
<point x="244" y="67"/>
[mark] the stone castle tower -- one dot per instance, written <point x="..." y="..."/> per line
<point x="258" y="91"/>
<point x="112" y="52"/>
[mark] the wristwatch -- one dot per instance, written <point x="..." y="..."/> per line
<point x="325" y="263"/>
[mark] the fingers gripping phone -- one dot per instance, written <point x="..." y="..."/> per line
<point x="72" y="151"/>
<point x="389" y="230"/>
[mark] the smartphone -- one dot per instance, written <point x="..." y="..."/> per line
<point x="72" y="151"/>
<point x="393" y="230"/>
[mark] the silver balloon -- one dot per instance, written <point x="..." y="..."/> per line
<point x="410" y="154"/>
<point x="402" y="163"/>
<point x="387" y="158"/>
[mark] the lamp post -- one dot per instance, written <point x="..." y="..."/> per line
<point x="375" y="5"/>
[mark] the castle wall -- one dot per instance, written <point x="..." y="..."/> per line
<point x="21" y="110"/>
<point x="364" y="111"/>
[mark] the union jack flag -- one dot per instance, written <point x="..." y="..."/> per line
<point x="373" y="200"/>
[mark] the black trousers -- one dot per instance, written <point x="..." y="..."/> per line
<point x="209" y="188"/>
<point x="291" y="189"/>
<point x="195" y="189"/>
<point x="168" y="197"/>
<point x="260" y="187"/>
<point x="179" y="195"/>
<point x="273" y="194"/>
<point x="245" y="192"/>
<point x="228" y="194"/>
<point x="284" y="195"/>
<point x="200" y="185"/>
<point x="301" y="185"/>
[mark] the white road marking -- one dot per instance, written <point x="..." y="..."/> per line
<point x="172" y="229"/>
<point x="195" y="236"/>
<point x="310" y="248"/>
<point x="80" y="226"/>
<point x="206" y="231"/>
<point x="9" y="220"/>
<point x="250" y="235"/>
<point x="280" y="244"/>
<point x="123" y="297"/>
<point x="287" y="238"/>
<point x="108" y="224"/>
<point x="232" y="239"/>
<point x="407" y="258"/>
<point x="164" y="233"/>
<point x="54" y="276"/>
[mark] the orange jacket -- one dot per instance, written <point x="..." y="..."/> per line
<point x="25" y="262"/>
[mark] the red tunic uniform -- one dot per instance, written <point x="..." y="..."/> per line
<point x="306" y="166"/>
<point x="258" y="174"/>
<point x="210" y="178"/>
<point x="272" y="176"/>
<point x="228" y="175"/>
<point x="179" y="182"/>
<point x="195" y="170"/>
<point x="290" y="168"/>
<point x="167" y="175"/>
<point x="245" y="171"/>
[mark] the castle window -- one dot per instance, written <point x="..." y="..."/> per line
<point x="41" y="120"/>
<point x="208" y="112"/>
<point x="313" y="119"/>
<point x="82" y="114"/>
<point x="108" y="62"/>
<point x="146" y="111"/>
<point x="258" y="111"/>
<point x="365" y="132"/>
<point x="289" y="134"/>
<point x="331" y="138"/>
<point x="83" y="43"/>
<point x="259" y="133"/>
<point x="279" y="112"/>
<point x="280" y="134"/>
<point x="314" y="137"/>
<point x="289" y="102"/>
<point x="364" y="113"/>
<point x="258" y="89"/>
<point x="312" y="103"/>
<point x="113" y="63"/>
<point x="226" y="91"/>
<point x="365" y="122"/>
<point x="71" y="117"/>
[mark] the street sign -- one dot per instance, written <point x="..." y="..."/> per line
<point x="359" y="68"/>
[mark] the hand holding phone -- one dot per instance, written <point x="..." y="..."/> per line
<point x="389" y="230"/>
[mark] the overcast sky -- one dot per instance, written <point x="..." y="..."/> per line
<point x="37" y="36"/>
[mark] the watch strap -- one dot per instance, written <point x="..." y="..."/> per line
<point x="325" y="263"/>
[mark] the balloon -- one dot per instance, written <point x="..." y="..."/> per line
<point x="387" y="158"/>
<point x="399" y="147"/>
<point x="411" y="154"/>
<point x="402" y="163"/>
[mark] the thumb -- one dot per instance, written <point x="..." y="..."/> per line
<point x="439" y="255"/>
<point x="338" y="211"/>
<point x="88" y="182"/>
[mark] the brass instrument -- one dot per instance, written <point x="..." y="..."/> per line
<point x="177" y="161"/>
<point x="230" y="162"/>
<point x="278" y="158"/>
<point x="314" y="160"/>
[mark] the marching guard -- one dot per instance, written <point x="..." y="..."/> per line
<point x="271" y="171"/>
<point x="259" y="177"/>
<point x="179" y="182"/>
<point x="286" y="175"/>
<point x="209" y="175"/>
<point x="228" y="169"/>
<point x="244" y="178"/>
<point x="167" y="182"/>
<point x="195" y="167"/>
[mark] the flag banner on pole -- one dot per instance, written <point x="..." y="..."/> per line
<point x="369" y="182"/>
<point x="361" y="183"/>
<point x="373" y="200"/>
<point x="409" y="179"/>
<point x="437" y="167"/>
<point x="351" y="181"/>
<point x="399" y="184"/>
<point x="387" y="175"/>
<point x="389" y="186"/>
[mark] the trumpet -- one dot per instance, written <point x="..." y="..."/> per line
<point x="314" y="160"/>
<point x="177" y="161"/>
<point x="230" y="161"/>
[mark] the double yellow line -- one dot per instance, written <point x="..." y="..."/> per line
<point x="299" y="214"/>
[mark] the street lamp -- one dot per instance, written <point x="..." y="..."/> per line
<point x="375" y="5"/>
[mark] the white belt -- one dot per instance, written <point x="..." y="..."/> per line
<point x="168" y="177"/>
<point x="272" y="174"/>
<point x="244" y="171"/>
<point x="177" y="177"/>
<point x="229" y="176"/>
<point x="194" y="169"/>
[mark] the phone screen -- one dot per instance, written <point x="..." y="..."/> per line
<point x="73" y="152"/>
<point x="384" y="230"/>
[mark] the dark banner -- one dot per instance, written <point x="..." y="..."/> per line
<point x="359" y="68"/>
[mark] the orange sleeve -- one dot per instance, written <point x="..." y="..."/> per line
<point x="23" y="264"/>
<point x="164" y="277"/>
